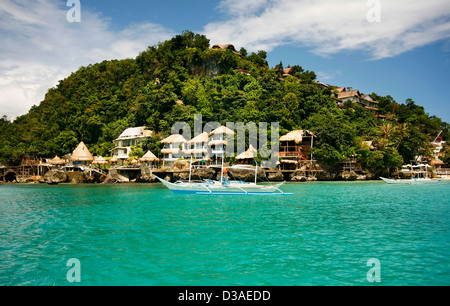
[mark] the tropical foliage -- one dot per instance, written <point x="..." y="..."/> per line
<point x="183" y="76"/>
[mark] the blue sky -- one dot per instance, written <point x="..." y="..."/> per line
<point x="405" y="55"/>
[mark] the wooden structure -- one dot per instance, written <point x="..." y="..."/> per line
<point x="81" y="155"/>
<point x="295" y="147"/>
<point x="247" y="156"/>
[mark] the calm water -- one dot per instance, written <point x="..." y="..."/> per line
<point x="142" y="234"/>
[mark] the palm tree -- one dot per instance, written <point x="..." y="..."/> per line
<point x="402" y="131"/>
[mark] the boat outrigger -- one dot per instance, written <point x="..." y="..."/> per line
<point x="224" y="186"/>
<point x="414" y="180"/>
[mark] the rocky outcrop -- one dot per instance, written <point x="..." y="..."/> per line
<point x="55" y="176"/>
<point x="245" y="175"/>
<point x="275" y="176"/>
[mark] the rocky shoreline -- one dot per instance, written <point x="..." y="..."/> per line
<point x="145" y="175"/>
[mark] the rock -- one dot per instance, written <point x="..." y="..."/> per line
<point x="349" y="175"/>
<point x="245" y="175"/>
<point x="275" y="176"/>
<point x="181" y="165"/>
<point x="55" y="176"/>
<point x="116" y="178"/>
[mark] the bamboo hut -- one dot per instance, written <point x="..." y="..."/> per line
<point x="295" y="148"/>
<point x="248" y="155"/>
<point x="100" y="161"/>
<point x="56" y="161"/>
<point x="149" y="157"/>
<point x="82" y="155"/>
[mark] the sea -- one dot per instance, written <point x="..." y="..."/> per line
<point x="326" y="234"/>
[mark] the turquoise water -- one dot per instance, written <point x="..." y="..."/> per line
<point x="142" y="234"/>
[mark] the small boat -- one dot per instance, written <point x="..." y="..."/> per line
<point x="412" y="181"/>
<point x="224" y="186"/>
<point x="422" y="170"/>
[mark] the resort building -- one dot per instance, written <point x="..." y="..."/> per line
<point x="295" y="147"/>
<point x="81" y="155"/>
<point x="438" y="145"/>
<point x="217" y="140"/>
<point x="248" y="156"/>
<point x="197" y="147"/>
<point x="173" y="149"/>
<point x="365" y="101"/>
<point x="130" y="138"/>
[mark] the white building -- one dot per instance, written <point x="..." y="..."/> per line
<point x="129" y="138"/>
<point x="197" y="147"/>
<point x="173" y="149"/>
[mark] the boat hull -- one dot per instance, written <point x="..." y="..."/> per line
<point x="207" y="189"/>
<point x="411" y="181"/>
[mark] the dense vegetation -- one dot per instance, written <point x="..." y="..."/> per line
<point x="96" y="103"/>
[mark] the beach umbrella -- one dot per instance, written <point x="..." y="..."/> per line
<point x="148" y="157"/>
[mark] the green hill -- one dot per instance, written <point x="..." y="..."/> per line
<point x="96" y="103"/>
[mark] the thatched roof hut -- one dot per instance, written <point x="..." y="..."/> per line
<point x="174" y="138"/>
<point x="203" y="137"/>
<point x="250" y="153"/>
<point x="222" y="130"/>
<point x="149" y="157"/>
<point x="114" y="160"/>
<point x="56" y="161"/>
<point x="100" y="161"/>
<point x="81" y="153"/>
<point x="436" y="162"/>
<point x="296" y="135"/>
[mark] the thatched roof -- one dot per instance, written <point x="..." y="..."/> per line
<point x="196" y="151"/>
<point x="436" y="162"/>
<point x="296" y="135"/>
<point x="149" y="157"/>
<point x="81" y="153"/>
<point x="222" y="130"/>
<point x="250" y="153"/>
<point x="114" y="160"/>
<point x="217" y="142"/>
<point x="203" y="137"/>
<point x="170" y="151"/>
<point x="174" y="138"/>
<point x="100" y="161"/>
<point x="56" y="161"/>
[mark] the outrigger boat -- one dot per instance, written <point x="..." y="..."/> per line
<point x="414" y="180"/>
<point x="418" y="180"/>
<point x="224" y="186"/>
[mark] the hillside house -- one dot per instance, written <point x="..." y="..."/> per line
<point x="131" y="137"/>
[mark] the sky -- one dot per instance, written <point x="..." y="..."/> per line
<point x="397" y="47"/>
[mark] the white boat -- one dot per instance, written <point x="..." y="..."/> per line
<point x="419" y="180"/>
<point x="414" y="180"/>
<point x="224" y="186"/>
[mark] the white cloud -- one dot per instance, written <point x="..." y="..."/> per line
<point x="328" y="27"/>
<point x="39" y="47"/>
